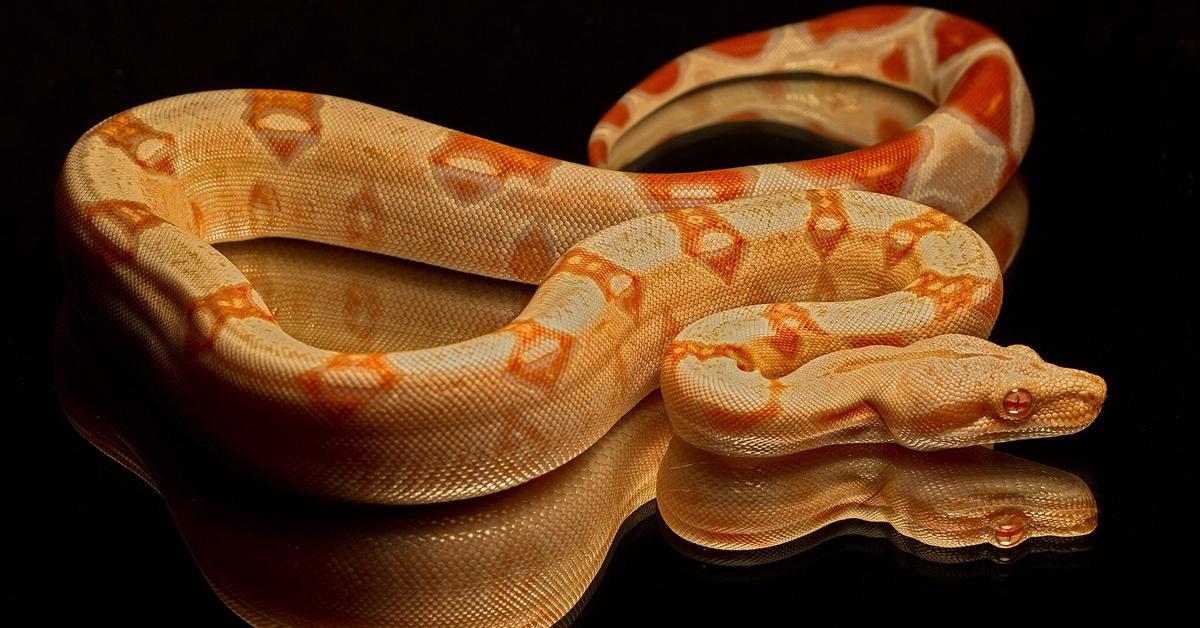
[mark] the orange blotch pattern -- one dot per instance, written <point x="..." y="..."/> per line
<point x="734" y="420"/>
<point x="951" y="294"/>
<point x="788" y="320"/>
<point x="870" y="340"/>
<point x="348" y="381"/>
<point x="742" y="46"/>
<point x="540" y="353"/>
<point x="516" y="429"/>
<point x="901" y="238"/>
<point x="362" y="310"/>
<point x="131" y="135"/>
<point x="955" y="34"/>
<point x="471" y="168"/>
<point x="889" y="128"/>
<point x="710" y="239"/>
<point x="861" y="19"/>
<point x="681" y="349"/>
<point x="531" y="257"/>
<point x="364" y="217"/>
<point x="691" y="188"/>
<point x="827" y="221"/>
<point x="881" y="168"/>
<point x="984" y="93"/>
<point x="287" y="122"/>
<point x="130" y="218"/>
<point x="661" y="79"/>
<point x="617" y="284"/>
<point x="197" y="219"/>
<point x="670" y="324"/>
<point x="618" y="116"/>
<point x="264" y="205"/>
<point x="231" y="302"/>
<point x="895" y="66"/>
<point x="990" y="305"/>
<point x="597" y="152"/>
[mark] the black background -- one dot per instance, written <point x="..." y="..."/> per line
<point x="1100" y="284"/>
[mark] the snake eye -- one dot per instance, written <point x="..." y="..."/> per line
<point x="1017" y="403"/>
<point x="1010" y="529"/>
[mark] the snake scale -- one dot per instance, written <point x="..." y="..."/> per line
<point x="785" y="306"/>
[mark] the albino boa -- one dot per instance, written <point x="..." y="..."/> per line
<point x="145" y="193"/>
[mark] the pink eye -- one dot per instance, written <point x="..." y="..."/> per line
<point x="1017" y="403"/>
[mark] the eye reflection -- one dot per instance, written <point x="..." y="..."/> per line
<point x="1010" y="529"/>
<point x="1018" y="403"/>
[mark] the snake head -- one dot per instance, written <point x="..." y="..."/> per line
<point x="957" y="391"/>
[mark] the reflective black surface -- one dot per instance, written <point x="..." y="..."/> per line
<point x="1099" y="284"/>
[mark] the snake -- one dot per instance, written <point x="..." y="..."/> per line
<point x="861" y="256"/>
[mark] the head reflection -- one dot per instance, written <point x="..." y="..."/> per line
<point x="953" y="498"/>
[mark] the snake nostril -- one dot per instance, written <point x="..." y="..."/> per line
<point x="1094" y="400"/>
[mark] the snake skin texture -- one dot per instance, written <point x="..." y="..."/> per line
<point x="847" y="249"/>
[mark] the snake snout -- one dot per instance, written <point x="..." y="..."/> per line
<point x="1088" y="392"/>
<point x="1093" y="390"/>
<point x="1065" y="400"/>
